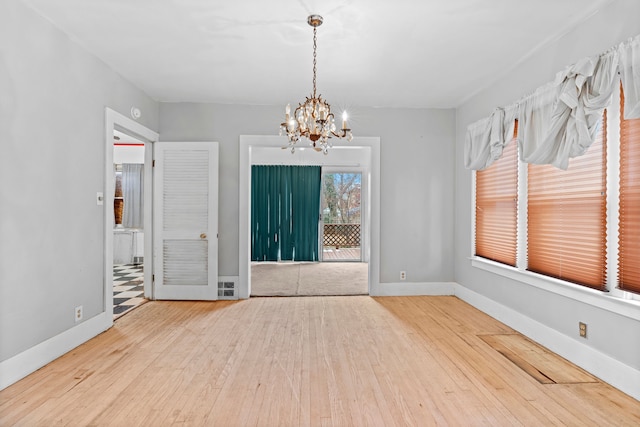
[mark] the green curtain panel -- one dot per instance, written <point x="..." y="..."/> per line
<point x="285" y="204"/>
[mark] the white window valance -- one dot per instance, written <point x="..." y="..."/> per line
<point x="482" y="142"/>
<point x="561" y="119"/>
<point x="630" y="75"/>
<point x="534" y="122"/>
<point x="579" y="96"/>
<point x="486" y="138"/>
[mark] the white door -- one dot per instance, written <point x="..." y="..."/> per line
<point x="185" y="223"/>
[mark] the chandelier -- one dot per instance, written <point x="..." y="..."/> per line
<point x="313" y="118"/>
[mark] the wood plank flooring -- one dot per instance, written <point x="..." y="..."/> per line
<point x="303" y="361"/>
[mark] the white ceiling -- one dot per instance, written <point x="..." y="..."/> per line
<point x="400" y="53"/>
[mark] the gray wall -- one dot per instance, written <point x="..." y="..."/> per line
<point x="612" y="24"/>
<point x="52" y="99"/>
<point x="417" y="174"/>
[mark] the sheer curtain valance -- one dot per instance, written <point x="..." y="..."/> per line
<point x="561" y="119"/>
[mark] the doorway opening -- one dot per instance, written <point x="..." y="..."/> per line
<point x="135" y="247"/>
<point x="362" y="156"/>
<point x="128" y="230"/>
<point x="341" y="216"/>
<point x="300" y="216"/>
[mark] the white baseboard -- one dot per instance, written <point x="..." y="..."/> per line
<point x="23" y="364"/>
<point x="608" y="369"/>
<point x="407" y="289"/>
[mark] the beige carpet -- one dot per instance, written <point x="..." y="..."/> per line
<point x="309" y="278"/>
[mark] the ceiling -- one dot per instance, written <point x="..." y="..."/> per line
<point x="401" y="53"/>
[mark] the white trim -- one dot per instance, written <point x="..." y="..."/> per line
<point x="415" y="289"/>
<point x="34" y="358"/>
<point x="624" y="307"/>
<point x="613" y="188"/>
<point x="244" y="245"/>
<point x="608" y="369"/>
<point x="474" y="187"/>
<point x="147" y="281"/>
<point x="522" y="218"/>
<point x="244" y="219"/>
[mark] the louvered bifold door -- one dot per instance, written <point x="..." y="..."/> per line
<point x="185" y="220"/>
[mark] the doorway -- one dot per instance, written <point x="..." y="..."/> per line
<point x="128" y="230"/>
<point x="362" y="153"/>
<point x="116" y="122"/>
<point x="341" y="215"/>
<point x="287" y="231"/>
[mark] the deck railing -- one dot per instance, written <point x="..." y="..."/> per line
<point x="341" y="235"/>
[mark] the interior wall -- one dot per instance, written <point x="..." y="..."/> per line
<point x="609" y="332"/>
<point x="417" y="173"/>
<point x="52" y="109"/>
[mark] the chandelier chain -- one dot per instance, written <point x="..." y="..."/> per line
<point x="315" y="46"/>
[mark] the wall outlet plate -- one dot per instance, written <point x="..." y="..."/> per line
<point x="403" y="275"/>
<point x="78" y="313"/>
<point x="583" y="329"/>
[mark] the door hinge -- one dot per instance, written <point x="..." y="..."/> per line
<point x="153" y="163"/>
<point x="153" y="278"/>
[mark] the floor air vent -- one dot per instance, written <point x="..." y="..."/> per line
<point x="227" y="290"/>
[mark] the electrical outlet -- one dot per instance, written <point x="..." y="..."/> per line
<point x="78" y="313"/>
<point x="583" y="329"/>
<point x="403" y="275"/>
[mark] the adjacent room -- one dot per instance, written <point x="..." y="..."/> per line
<point x="319" y="213"/>
<point x="128" y="230"/>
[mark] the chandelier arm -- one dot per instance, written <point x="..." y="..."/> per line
<point x="342" y="134"/>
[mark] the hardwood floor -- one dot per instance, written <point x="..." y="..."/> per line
<point x="305" y="361"/>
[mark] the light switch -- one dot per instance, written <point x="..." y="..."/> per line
<point x="100" y="198"/>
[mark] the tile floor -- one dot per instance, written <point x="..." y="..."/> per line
<point x="127" y="288"/>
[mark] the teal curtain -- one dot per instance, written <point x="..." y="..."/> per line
<point x="285" y="207"/>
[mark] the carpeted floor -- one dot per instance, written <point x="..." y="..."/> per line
<point x="309" y="278"/>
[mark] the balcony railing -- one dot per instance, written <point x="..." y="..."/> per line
<point x="341" y="235"/>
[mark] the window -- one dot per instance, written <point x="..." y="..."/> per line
<point x="496" y="207"/>
<point x="566" y="224"/>
<point x="554" y="222"/>
<point x="629" y="214"/>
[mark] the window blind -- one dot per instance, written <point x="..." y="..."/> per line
<point x="567" y="217"/>
<point x="496" y="207"/>
<point x="629" y="225"/>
